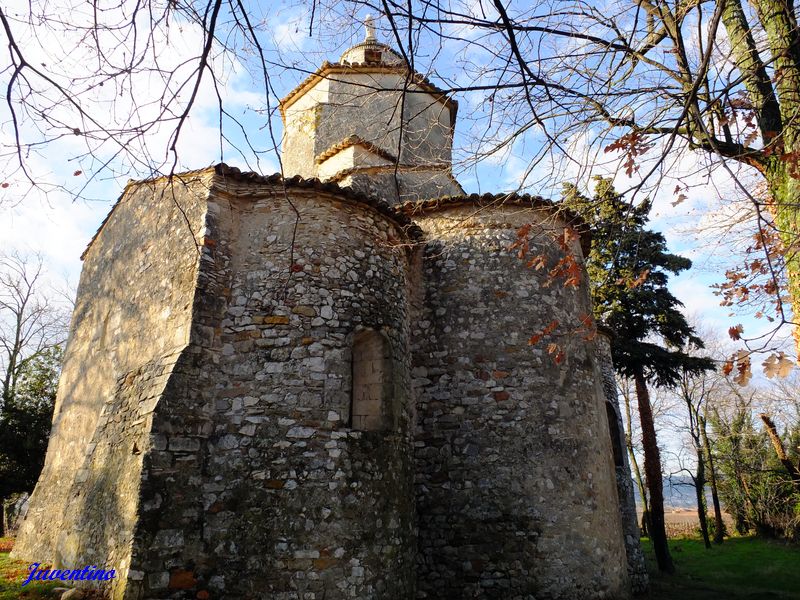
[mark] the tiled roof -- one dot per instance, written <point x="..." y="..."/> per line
<point x="353" y="140"/>
<point x="402" y="214"/>
<point x="300" y="182"/>
<point x="372" y="45"/>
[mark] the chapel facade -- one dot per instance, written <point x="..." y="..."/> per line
<point x="320" y="384"/>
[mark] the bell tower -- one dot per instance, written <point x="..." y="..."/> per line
<point x="371" y="123"/>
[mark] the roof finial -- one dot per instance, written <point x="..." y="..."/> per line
<point x="369" y="25"/>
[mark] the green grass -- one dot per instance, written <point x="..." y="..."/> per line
<point x="741" y="568"/>
<point x="14" y="572"/>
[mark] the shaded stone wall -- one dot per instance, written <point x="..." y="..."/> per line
<point x="371" y="384"/>
<point x="413" y="126"/>
<point x="637" y="569"/>
<point x="131" y="322"/>
<point x="258" y="486"/>
<point x="516" y="492"/>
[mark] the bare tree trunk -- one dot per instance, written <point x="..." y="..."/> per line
<point x="652" y="470"/>
<point x="777" y="443"/>
<point x="694" y="397"/>
<point x="700" y="492"/>
<point x="719" y="524"/>
<point x="637" y="473"/>
<point x="643" y="493"/>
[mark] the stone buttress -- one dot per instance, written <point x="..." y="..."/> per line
<point x="637" y="568"/>
<point x="130" y="326"/>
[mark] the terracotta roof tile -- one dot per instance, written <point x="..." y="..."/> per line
<point x="402" y="214"/>
<point x="299" y="182"/>
<point x="353" y="140"/>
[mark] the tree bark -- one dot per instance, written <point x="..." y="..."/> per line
<point x="777" y="443"/>
<point x="719" y="524"/>
<point x="778" y="19"/>
<point x="645" y="526"/>
<point x="700" y="492"/>
<point x="652" y="470"/>
<point x="637" y="473"/>
<point x="776" y="102"/>
<point x="690" y="396"/>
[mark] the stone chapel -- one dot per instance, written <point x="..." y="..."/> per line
<point x="319" y="385"/>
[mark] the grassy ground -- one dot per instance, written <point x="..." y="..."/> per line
<point x="741" y="568"/>
<point x="14" y="572"/>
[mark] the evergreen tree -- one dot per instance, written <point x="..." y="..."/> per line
<point x="629" y="268"/>
<point x="25" y="423"/>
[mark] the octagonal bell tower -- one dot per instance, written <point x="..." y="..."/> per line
<point x="371" y="123"/>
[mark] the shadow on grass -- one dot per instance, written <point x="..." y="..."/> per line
<point x="743" y="568"/>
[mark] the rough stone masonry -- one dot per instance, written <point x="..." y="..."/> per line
<point x="321" y="387"/>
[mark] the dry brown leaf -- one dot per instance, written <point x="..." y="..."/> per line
<point x="770" y="366"/>
<point x="727" y="368"/>
<point x="744" y="372"/>
<point x="778" y="365"/>
<point x="680" y="199"/>
<point x="785" y="365"/>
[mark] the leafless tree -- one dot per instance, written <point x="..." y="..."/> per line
<point x="633" y="446"/>
<point x="30" y="323"/>
<point x="696" y="391"/>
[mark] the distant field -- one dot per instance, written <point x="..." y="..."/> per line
<point x="739" y="569"/>
<point x="684" y="522"/>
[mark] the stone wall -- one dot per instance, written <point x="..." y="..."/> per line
<point x="131" y="321"/>
<point x="205" y="442"/>
<point x="404" y="122"/>
<point x="300" y="122"/>
<point x="637" y="569"/>
<point x="516" y="493"/>
<point x="414" y="126"/>
<point x="258" y="486"/>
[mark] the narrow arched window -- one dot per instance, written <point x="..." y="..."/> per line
<point x="616" y="435"/>
<point x="370" y="408"/>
